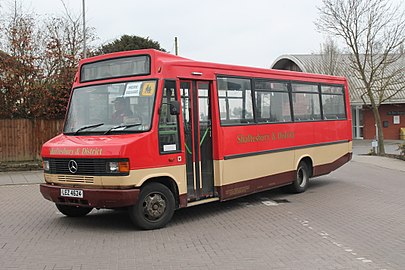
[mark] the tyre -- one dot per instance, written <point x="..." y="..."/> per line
<point x="154" y="208"/>
<point x="301" y="181"/>
<point x="73" y="211"/>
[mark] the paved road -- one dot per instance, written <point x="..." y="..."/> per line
<point x="351" y="219"/>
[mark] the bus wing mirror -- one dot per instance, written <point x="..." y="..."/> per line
<point x="174" y="107"/>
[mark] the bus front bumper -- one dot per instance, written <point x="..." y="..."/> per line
<point x="97" y="198"/>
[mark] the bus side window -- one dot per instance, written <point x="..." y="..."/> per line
<point x="169" y="136"/>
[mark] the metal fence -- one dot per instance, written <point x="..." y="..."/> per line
<point x="22" y="139"/>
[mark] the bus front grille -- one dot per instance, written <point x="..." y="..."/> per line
<point x="77" y="168"/>
<point x="84" y="166"/>
<point x="76" y="179"/>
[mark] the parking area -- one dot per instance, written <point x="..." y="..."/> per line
<point x="350" y="219"/>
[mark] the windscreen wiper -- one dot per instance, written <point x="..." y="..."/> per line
<point x="122" y="126"/>
<point x="87" y="127"/>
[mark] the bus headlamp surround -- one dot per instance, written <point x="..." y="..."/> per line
<point x="118" y="167"/>
<point x="45" y="165"/>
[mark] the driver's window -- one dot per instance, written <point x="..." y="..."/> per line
<point x="169" y="137"/>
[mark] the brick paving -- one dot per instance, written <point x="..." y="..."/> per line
<point x="351" y="219"/>
<point x="21" y="177"/>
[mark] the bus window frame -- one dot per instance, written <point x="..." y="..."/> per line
<point x="288" y="83"/>
<point x="116" y="77"/>
<point x="253" y="120"/>
<point x="342" y="86"/>
<point x="153" y="112"/>
<point x="290" y="93"/>
<point x="178" y="119"/>
<point x="318" y="92"/>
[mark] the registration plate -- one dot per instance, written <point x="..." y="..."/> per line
<point x="74" y="193"/>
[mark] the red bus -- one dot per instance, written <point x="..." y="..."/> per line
<point x="154" y="132"/>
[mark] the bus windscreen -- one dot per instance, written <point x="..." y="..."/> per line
<point x="114" y="68"/>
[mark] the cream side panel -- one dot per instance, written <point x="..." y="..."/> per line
<point x="246" y="168"/>
<point x="323" y="154"/>
<point x="218" y="172"/>
<point x="177" y="173"/>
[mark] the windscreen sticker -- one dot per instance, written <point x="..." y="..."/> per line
<point x="133" y="89"/>
<point x="148" y="88"/>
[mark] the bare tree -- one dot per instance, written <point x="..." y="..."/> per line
<point x="374" y="31"/>
<point x="330" y="57"/>
<point x="19" y="66"/>
<point x="63" y="52"/>
<point x="328" y="61"/>
<point x="38" y="66"/>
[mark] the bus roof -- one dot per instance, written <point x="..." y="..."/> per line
<point x="208" y="70"/>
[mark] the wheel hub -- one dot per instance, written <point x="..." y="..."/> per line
<point x="154" y="206"/>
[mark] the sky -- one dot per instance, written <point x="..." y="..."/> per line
<point x="241" y="32"/>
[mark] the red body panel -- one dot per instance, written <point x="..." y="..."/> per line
<point x="264" y="137"/>
<point x="140" y="148"/>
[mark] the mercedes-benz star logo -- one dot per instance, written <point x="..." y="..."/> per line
<point x="72" y="165"/>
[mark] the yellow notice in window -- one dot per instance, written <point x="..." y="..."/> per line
<point x="148" y="89"/>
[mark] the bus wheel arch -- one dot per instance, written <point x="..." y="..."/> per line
<point x="156" y="204"/>
<point x="308" y="161"/>
<point x="302" y="174"/>
<point x="169" y="183"/>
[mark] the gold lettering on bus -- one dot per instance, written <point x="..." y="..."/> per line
<point x="61" y="151"/>
<point x="77" y="151"/>
<point x="253" y="138"/>
<point x="92" y="151"/>
<point x="286" y="135"/>
<point x="259" y="138"/>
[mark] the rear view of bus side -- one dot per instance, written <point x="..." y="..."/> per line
<point x="154" y="132"/>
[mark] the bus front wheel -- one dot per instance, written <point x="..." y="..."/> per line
<point x="154" y="208"/>
<point x="301" y="181"/>
<point x="73" y="211"/>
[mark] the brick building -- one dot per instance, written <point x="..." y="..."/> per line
<point x="392" y="111"/>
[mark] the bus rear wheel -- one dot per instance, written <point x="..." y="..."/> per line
<point x="154" y="208"/>
<point x="301" y="181"/>
<point x="73" y="211"/>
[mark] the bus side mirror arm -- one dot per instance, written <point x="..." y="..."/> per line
<point x="174" y="107"/>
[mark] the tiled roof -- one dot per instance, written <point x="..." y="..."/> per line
<point x="315" y="63"/>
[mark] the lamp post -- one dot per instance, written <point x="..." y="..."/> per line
<point x="84" y="30"/>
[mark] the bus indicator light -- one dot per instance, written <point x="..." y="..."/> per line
<point x="123" y="166"/>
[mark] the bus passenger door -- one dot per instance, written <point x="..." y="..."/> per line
<point x="195" y="97"/>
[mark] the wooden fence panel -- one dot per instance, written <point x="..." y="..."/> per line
<point x="22" y="139"/>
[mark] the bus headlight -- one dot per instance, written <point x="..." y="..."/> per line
<point x="118" y="167"/>
<point x="45" y="165"/>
